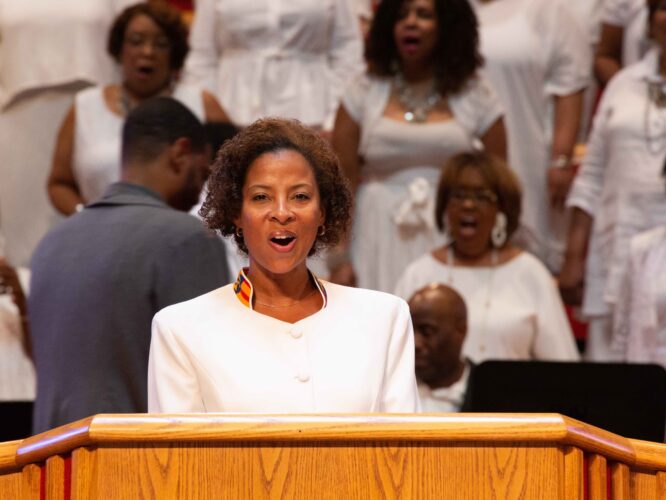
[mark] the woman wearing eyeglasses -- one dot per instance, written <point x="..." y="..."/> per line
<point x="515" y="311"/>
<point x="149" y="42"/>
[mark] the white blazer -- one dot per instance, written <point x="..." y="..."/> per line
<point x="215" y="354"/>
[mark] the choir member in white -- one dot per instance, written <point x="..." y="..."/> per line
<point x="515" y="311"/>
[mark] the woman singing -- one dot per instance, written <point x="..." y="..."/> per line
<point x="279" y="340"/>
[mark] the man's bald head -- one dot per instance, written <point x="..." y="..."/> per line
<point x="439" y="315"/>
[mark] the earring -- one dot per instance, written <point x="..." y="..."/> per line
<point x="239" y="232"/>
<point x="321" y="231"/>
<point x="498" y="234"/>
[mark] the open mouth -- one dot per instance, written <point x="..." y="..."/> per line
<point x="146" y="70"/>
<point x="283" y="241"/>
<point x="468" y="225"/>
<point x="411" y="43"/>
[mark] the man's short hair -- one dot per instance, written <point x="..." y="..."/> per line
<point x="156" y="124"/>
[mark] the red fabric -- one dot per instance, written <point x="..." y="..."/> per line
<point x="182" y="4"/>
<point x="579" y="327"/>
<point x="67" y="482"/>
<point x="42" y="481"/>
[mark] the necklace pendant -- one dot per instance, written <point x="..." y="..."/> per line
<point x="420" y="115"/>
<point x="409" y="116"/>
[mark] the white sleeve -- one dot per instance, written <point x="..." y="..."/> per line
<point x="355" y="97"/>
<point x="589" y="181"/>
<point x="477" y="106"/>
<point x="400" y="394"/>
<point x="554" y="339"/>
<point x="345" y="55"/>
<point x="569" y="53"/>
<point x="172" y="381"/>
<point x="203" y="59"/>
<point x="620" y="12"/>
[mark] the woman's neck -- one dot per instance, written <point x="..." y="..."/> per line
<point x="471" y="258"/>
<point x="132" y="99"/>
<point x="279" y="289"/>
<point x="417" y="73"/>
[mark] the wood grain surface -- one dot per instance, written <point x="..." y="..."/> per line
<point x="30" y="482"/>
<point x="466" y="456"/>
<point x="597" y="485"/>
<point x="55" y="474"/>
<point x="461" y="427"/>
<point x="573" y="473"/>
<point x="643" y="486"/>
<point x="649" y="455"/>
<point x="324" y="470"/>
<point x="620" y="482"/>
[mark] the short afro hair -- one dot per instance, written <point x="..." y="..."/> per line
<point x="501" y="179"/>
<point x="224" y="201"/>
<point x="166" y="17"/>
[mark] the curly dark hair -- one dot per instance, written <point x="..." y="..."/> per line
<point x="166" y="17"/>
<point x="456" y="57"/>
<point x="224" y="201"/>
<point x="501" y="179"/>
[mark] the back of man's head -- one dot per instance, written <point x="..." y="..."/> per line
<point x="156" y="124"/>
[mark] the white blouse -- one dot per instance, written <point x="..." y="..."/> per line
<point x="275" y="57"/>
<point x="46" y="43"/>
<point x="215" y="354"/>
<point x="514" y="309"/>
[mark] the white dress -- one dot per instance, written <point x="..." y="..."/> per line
<point x="17" y="373"/>
<point x="639" y="330"/>
<point x="215" y="354"/>
<point x="275" y="57"/>
<point x="98" y="136"/>
<point x="402" y="160"/>
<point x="48" y="51"/>
<point x="631" y="15"/>
<point x="619" y="183"/>
<point x="514" y="309"/>
<point x="534" y="50"/>
<point x="588" y="13"/>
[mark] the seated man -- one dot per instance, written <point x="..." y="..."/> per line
<point x="439" y="316"/>
<point x="99" y="277"/>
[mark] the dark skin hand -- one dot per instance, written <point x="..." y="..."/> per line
<point x="10" y="284"/>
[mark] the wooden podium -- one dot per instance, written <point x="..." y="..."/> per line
<point x="209" y="456"/>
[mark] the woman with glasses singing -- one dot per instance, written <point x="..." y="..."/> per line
<point x="149" y="42"/>
<point x="515" y="311"/>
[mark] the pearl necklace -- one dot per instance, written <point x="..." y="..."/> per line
<point x="417" y="107"/>
<point x="494" y="260"/>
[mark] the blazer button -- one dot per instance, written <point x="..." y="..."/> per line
<point x="303" y="377"/>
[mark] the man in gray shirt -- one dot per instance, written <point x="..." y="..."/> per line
<point x="99" y="277"/>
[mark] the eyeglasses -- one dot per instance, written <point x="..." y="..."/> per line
<point x="480" y="196"/>
<point x="159" y="43"/>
